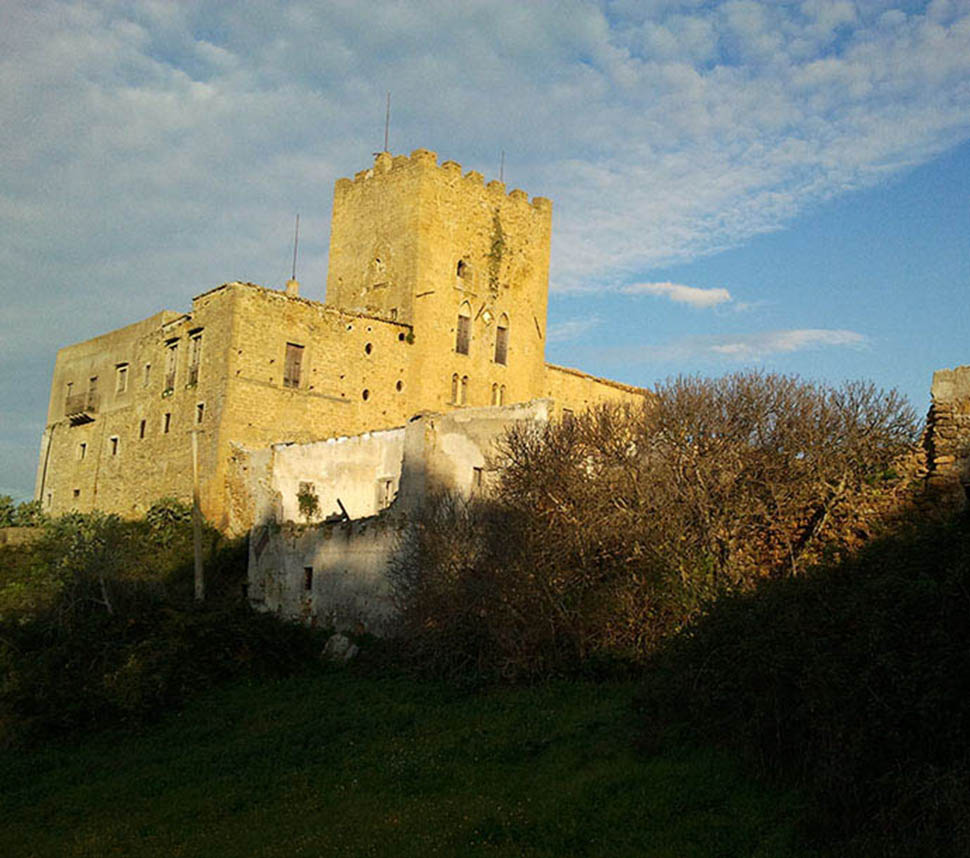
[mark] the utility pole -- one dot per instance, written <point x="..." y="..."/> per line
<point x="197" y="521"/>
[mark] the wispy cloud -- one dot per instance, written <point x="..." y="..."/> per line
<point x="740" y="347"/>
<point x="691" y="295"/>
<point x="571" y="329"/>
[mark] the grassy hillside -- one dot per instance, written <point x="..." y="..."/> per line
<point x="335" y="763"/>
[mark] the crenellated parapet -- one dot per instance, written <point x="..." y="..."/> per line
<point x="387" y="165"/>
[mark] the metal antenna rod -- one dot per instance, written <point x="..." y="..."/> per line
<point x="501" y="169"/>
<point x="296" y="241"/>
<point x="387" y="121"/>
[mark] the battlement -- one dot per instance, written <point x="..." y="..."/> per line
<point x="424" y="159"/>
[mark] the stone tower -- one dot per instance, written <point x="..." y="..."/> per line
<point x="464" y="263"/>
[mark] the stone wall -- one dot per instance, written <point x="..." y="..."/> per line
<point x="947" y="436"/>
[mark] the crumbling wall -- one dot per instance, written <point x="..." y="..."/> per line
<point x="947" y="437"/>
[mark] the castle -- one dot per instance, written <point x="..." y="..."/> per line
<point x="436" y="302"/>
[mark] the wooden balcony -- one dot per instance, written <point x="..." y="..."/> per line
<point x="81" y="407"/>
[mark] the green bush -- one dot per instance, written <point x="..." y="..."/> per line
<point x="853" y="680"/>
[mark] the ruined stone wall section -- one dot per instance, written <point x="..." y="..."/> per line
<point x="575" y="391"/>
<point x="947" y="436"/>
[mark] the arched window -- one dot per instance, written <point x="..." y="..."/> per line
<point x="494" y="394"/>
<point x="464" y="391"/>
<point x="501" y="395"/>
<point x="454" y="388"/>
<point x="502" y="340"/>
<point x="464" y="330"/>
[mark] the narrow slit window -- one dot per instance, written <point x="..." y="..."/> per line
<point x="501" y="395"/>
<point x="199" y="412"/>
<point x="454" y="389"/>
<point x="141" y="429"/>
<point x="502" y="340"/>
<point x="166" y="422"/>
<point x="121" y="385"/>
<point x="464" y="330"/>
<point x="494" y="394"/>
<point x="463" y="392"/>
<point x="147" y="376"/>
<point x="82" y="450"/>
<point x="113" y="445"/>
<point x="307" y="579"/>
<point x="293" y="365"/>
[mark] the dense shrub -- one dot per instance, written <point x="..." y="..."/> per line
<point x="98" y="624"/>
<point x="608" y="531"/>
<point x="853" y="680"/>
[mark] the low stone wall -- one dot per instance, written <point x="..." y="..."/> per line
<point x="19" y="535"/>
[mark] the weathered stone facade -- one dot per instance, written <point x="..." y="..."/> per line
<point x="947" y="437"/>
<point x="436" y="301"/>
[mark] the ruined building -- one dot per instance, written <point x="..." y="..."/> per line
<point x="436" y="302"/>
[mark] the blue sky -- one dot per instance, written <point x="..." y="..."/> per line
<point x="738" y="183"/>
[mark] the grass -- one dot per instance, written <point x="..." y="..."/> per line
<point x="335" y="763"/>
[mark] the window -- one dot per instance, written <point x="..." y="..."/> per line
<point x="77" y="493"/>
<point x="82" y="451"/>
<point x="454" y="388"/>
<point x="502" y="340"/>
<point x="501" y="395"/>
<point x="93" y="386"/>
<point x="171" y="363"/>
<point x="121" y="384"/>
<point x="166" y="422"/>
<point x="463" y="335"/>
<point x="494" y="394"/>
<point x="147" y="376"/>
<point x="113" y="445"/>
<point x="195" y="356"/>
<point x="385" y="492"/>
<point x="292" y="365"/>
<point x="199" y="412"/>
<point x="477" y="480"/>
<point x="463" y="392"/>
<point x="70" y="388"/>
<point x="141" y="429"/>
<point x="307" y="579"/>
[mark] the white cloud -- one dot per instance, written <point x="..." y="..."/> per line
<point x="571" y="329"/>
<point x="751" y="346"/>
<point x="692" y="295"/>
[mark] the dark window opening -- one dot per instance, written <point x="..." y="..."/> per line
<point x="454" y="388"/>
<point x="365" y="395"/>
<point x="463" y="393"/>
<point x="77" y="493"/>
<point x="167" y="422"/>
<point x="121" y="384"/>
<point x="82" y="450"/>
<point x="141" y="429"/>
<point x="464" y="330"/>
<point x="307" y="579"/>
<point x="502" y="340"/>
<point x="399" y="386"/>
<point x="171" y="364"/>
<point x="195" y="357"/>
<point x="293" y="365"/>
<point x="368" y="349"/>
<point x="113" y="441"/>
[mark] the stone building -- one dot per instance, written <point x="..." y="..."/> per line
<point x="436" y="301"/>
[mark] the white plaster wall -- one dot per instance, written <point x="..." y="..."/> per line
<point x="348" y="468"/>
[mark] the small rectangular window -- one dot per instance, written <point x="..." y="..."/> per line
<point x="477" y="476"/>
<point x="77" y="493"/>
<point x="307" y="579"/>
<point x="113" y="442"/>
<point x="141" y="429"/>
<point x="292" y="365"/>
<point x="121" y="382"/>
<point x="167" y="422"/>
<point x="147" y="377"/>
<point x="82" y="450"/>
<point x="385" y="492"/>
<point x="199" y="412"/>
